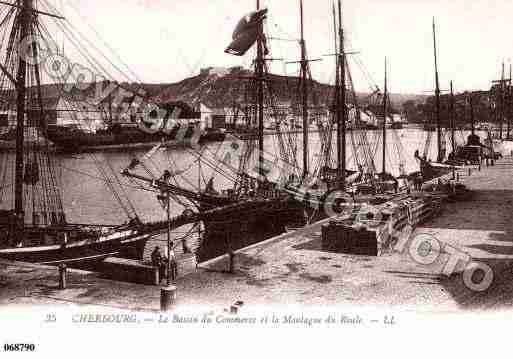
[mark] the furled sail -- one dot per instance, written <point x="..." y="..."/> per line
<point x="246" y="33"/>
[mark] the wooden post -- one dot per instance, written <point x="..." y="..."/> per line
<point x="173" y="267"/>
<point x="231" y="255"/>
<point x="62" y="276"/>
<point x="167" y="298"/>
<point x="156" y="276"/>
<point x="232" y="262"/>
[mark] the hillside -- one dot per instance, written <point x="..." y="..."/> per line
<point x="221" y="87"/>
<point x="225" y="87"/>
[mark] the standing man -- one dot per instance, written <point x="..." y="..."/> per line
<point x="157" y="260"/>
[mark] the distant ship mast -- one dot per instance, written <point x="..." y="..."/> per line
<point x="440" y="153"/>
<point x="453" y="121"/>
<point x="304" y="94"/>
<point x="385" y="110"/>
<point x="25" y="25"/>
<point x="260" y="93"/>
<point x="341" y="104"/>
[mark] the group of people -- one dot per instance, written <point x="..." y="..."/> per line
<point x="161" y="261"/>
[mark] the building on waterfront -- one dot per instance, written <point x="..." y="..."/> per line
<point x="215" y="118"/>
<point x="57" y="111"/>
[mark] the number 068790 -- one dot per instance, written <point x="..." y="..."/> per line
<point x="19" y="347"/>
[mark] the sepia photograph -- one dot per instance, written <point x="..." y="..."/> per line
<point x="240" y="175"/>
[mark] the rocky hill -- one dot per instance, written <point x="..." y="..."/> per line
<point x="222" y="87"/>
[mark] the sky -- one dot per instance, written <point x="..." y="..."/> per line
<point x="165" y="41"/>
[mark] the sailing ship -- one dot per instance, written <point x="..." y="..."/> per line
<point x="262" y="203"/>
<point x="255" y="208"/>
<point x="473" y="151"/>
<point x="430" y="170"/>
<point x="501" y="96"/>
<point x="33" y="223"/>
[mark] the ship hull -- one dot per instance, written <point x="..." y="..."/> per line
<point x="231" y="231"/>
<point x="72" y="140"/>
<point x="85" y="254"/>
<point x="213" y="136"/>
<point x="432" y="171"/>
<point x="71" y="147"/>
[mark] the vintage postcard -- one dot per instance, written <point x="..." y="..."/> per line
<point x="308" y="176"/>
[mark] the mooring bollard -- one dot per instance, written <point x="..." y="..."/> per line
<point x="167" y="298"/>
<point x="62" y="276"/>
<point x="231" y="257"/>
<point x="156" y="276"/>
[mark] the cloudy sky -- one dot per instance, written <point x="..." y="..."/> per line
<point x="168" y="40"/>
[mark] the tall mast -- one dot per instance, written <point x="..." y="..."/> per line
<point x="510" y="99"/>
<point x="304" y="93"/>
<point x="110" y="108"/>
<point x="338" y="113"/>
<point x="453" y="120"/>
<point x="260" y="94"/>
<point x="472" y="115"/>
<point x="385" y="110"/>
<point x="24" y="23"/>
<point x="342" y="68"/>
<point x="437" y="100"/>
<point x="501" y="103"/>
